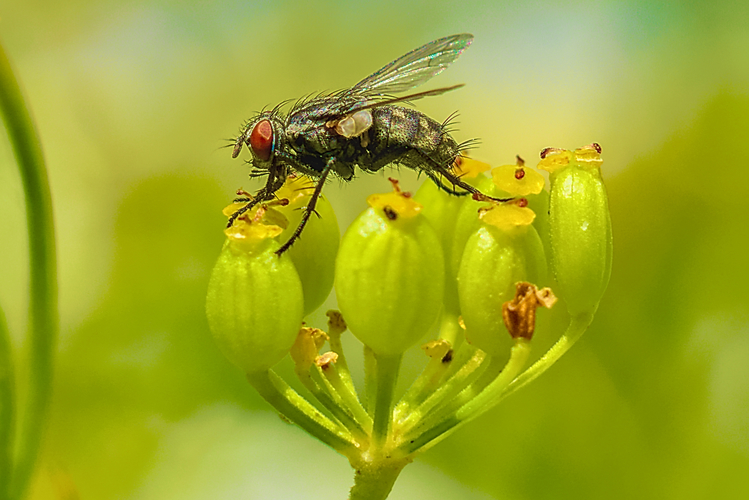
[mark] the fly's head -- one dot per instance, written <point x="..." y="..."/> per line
<point x="263" y="135"/>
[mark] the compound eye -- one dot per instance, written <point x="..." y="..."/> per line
<point x="261" y="139"/>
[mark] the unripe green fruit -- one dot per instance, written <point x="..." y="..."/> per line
<point x="254" y="304"/>
<point x="494" y="260"/>
<point x="581" y="240"/>
<point x="390" y="276"/>
<point x="579" y="227"/>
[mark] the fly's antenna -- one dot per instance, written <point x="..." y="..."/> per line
<point x="237" y="146"/>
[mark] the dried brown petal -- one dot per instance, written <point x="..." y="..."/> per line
<point x="519" y="314"/>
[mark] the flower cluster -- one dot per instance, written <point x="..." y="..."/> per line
<point x="473" y="270"/>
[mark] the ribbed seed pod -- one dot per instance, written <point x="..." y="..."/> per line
<point x="255" y="302"/>
<point x="504" y="251"/>
<point x="390" y="274"/>
<point x="580" y="226"/>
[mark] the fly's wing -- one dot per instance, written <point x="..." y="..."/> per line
<point x="404" y="73"/>
<point x="414" y="68"/>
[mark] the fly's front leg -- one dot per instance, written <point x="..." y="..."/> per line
<point x="273" y="184"/>
<point x="310" y="208"/>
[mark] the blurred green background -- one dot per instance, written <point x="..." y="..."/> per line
<point x="133" y="100"/>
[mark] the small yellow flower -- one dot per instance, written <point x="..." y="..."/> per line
<point x="518" y="180"/>
<point x="507" y="216"/>
<point x="395" y="205"/>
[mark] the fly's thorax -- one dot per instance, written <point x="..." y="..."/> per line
<point x="309" y="137"/>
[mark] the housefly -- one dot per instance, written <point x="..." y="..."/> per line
<point x="357" y="127"/>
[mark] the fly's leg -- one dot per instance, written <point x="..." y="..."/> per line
<point x="274" y="183"/>
<point x="456" y="181"/>
<point x="441" y="185"/>
<point x="310" y="208"/>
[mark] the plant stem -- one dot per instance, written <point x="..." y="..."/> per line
<point x="450" y="388"/>
<point x="370" y="380"/>
<point x="7" y="408"/>
<point x="43" y="314"/>
<point x="297" y="409"/>
<point x="474" y="407"/>
<point x="323" y="390"/>
<point x="348" y="397"/>
<point x="450" y="328"/>
<point x="423" y="389"/>
<point x="341" y="364"/>
<point x="506" y="384"/>
<point x="387" y="376"/>
<point x="576" y="328"/>
<point x="429" y="378"/>
<point x="374" y="481"/>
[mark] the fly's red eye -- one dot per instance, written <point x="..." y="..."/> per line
<point x="261" y="140"/>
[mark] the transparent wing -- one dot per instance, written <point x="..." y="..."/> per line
<point x="414" y="68"/>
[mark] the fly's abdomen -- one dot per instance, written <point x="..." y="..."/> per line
<point x="408" y="137"/>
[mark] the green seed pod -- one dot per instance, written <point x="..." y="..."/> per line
<point x="314" y="253"/>
<point x="504" y="251"/>
<point x="580" y="227"/>
<point x="508" y="181"/>
<point x="441" y="209"/>
<point x="390" y="274"/>
<point x="255" y="302"/>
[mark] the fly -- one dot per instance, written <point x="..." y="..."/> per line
<point x="358" y="127"/>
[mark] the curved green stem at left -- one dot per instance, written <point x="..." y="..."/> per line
<point x="43" y="309"/>
<point x="7" y="408"/>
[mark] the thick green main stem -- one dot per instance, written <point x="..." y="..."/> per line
<point x="43" y="312"/>
<point x="374" y="481"/>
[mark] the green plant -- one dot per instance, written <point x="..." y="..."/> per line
<point x="20" y="438"/>
<point x="477" y="270"/>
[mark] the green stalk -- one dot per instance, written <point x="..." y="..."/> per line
<point x="506" y="384"/>
<point x="341" y="364"/>
<point x="43" y="313"/>
<point x="387" y="376"/>
<point x="348" y="398"/>
<point x="423" y="389"/>
<point x="297" y="409"/>
<point x="374" y="481"/>
<point x="576" y="328"/>
<point x="326" y="394"/>
<point x="476" y="406"/>
<point x="434" y="371"/>
<point x="370" y="380"/>
<point x="446" y="393"/>
<point x="7" y="408"/>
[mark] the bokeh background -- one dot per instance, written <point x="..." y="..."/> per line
<point x="133" y="99"/>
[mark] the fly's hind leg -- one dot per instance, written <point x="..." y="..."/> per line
<point x="441" y="185"/>
<point x="456" y="182"/>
